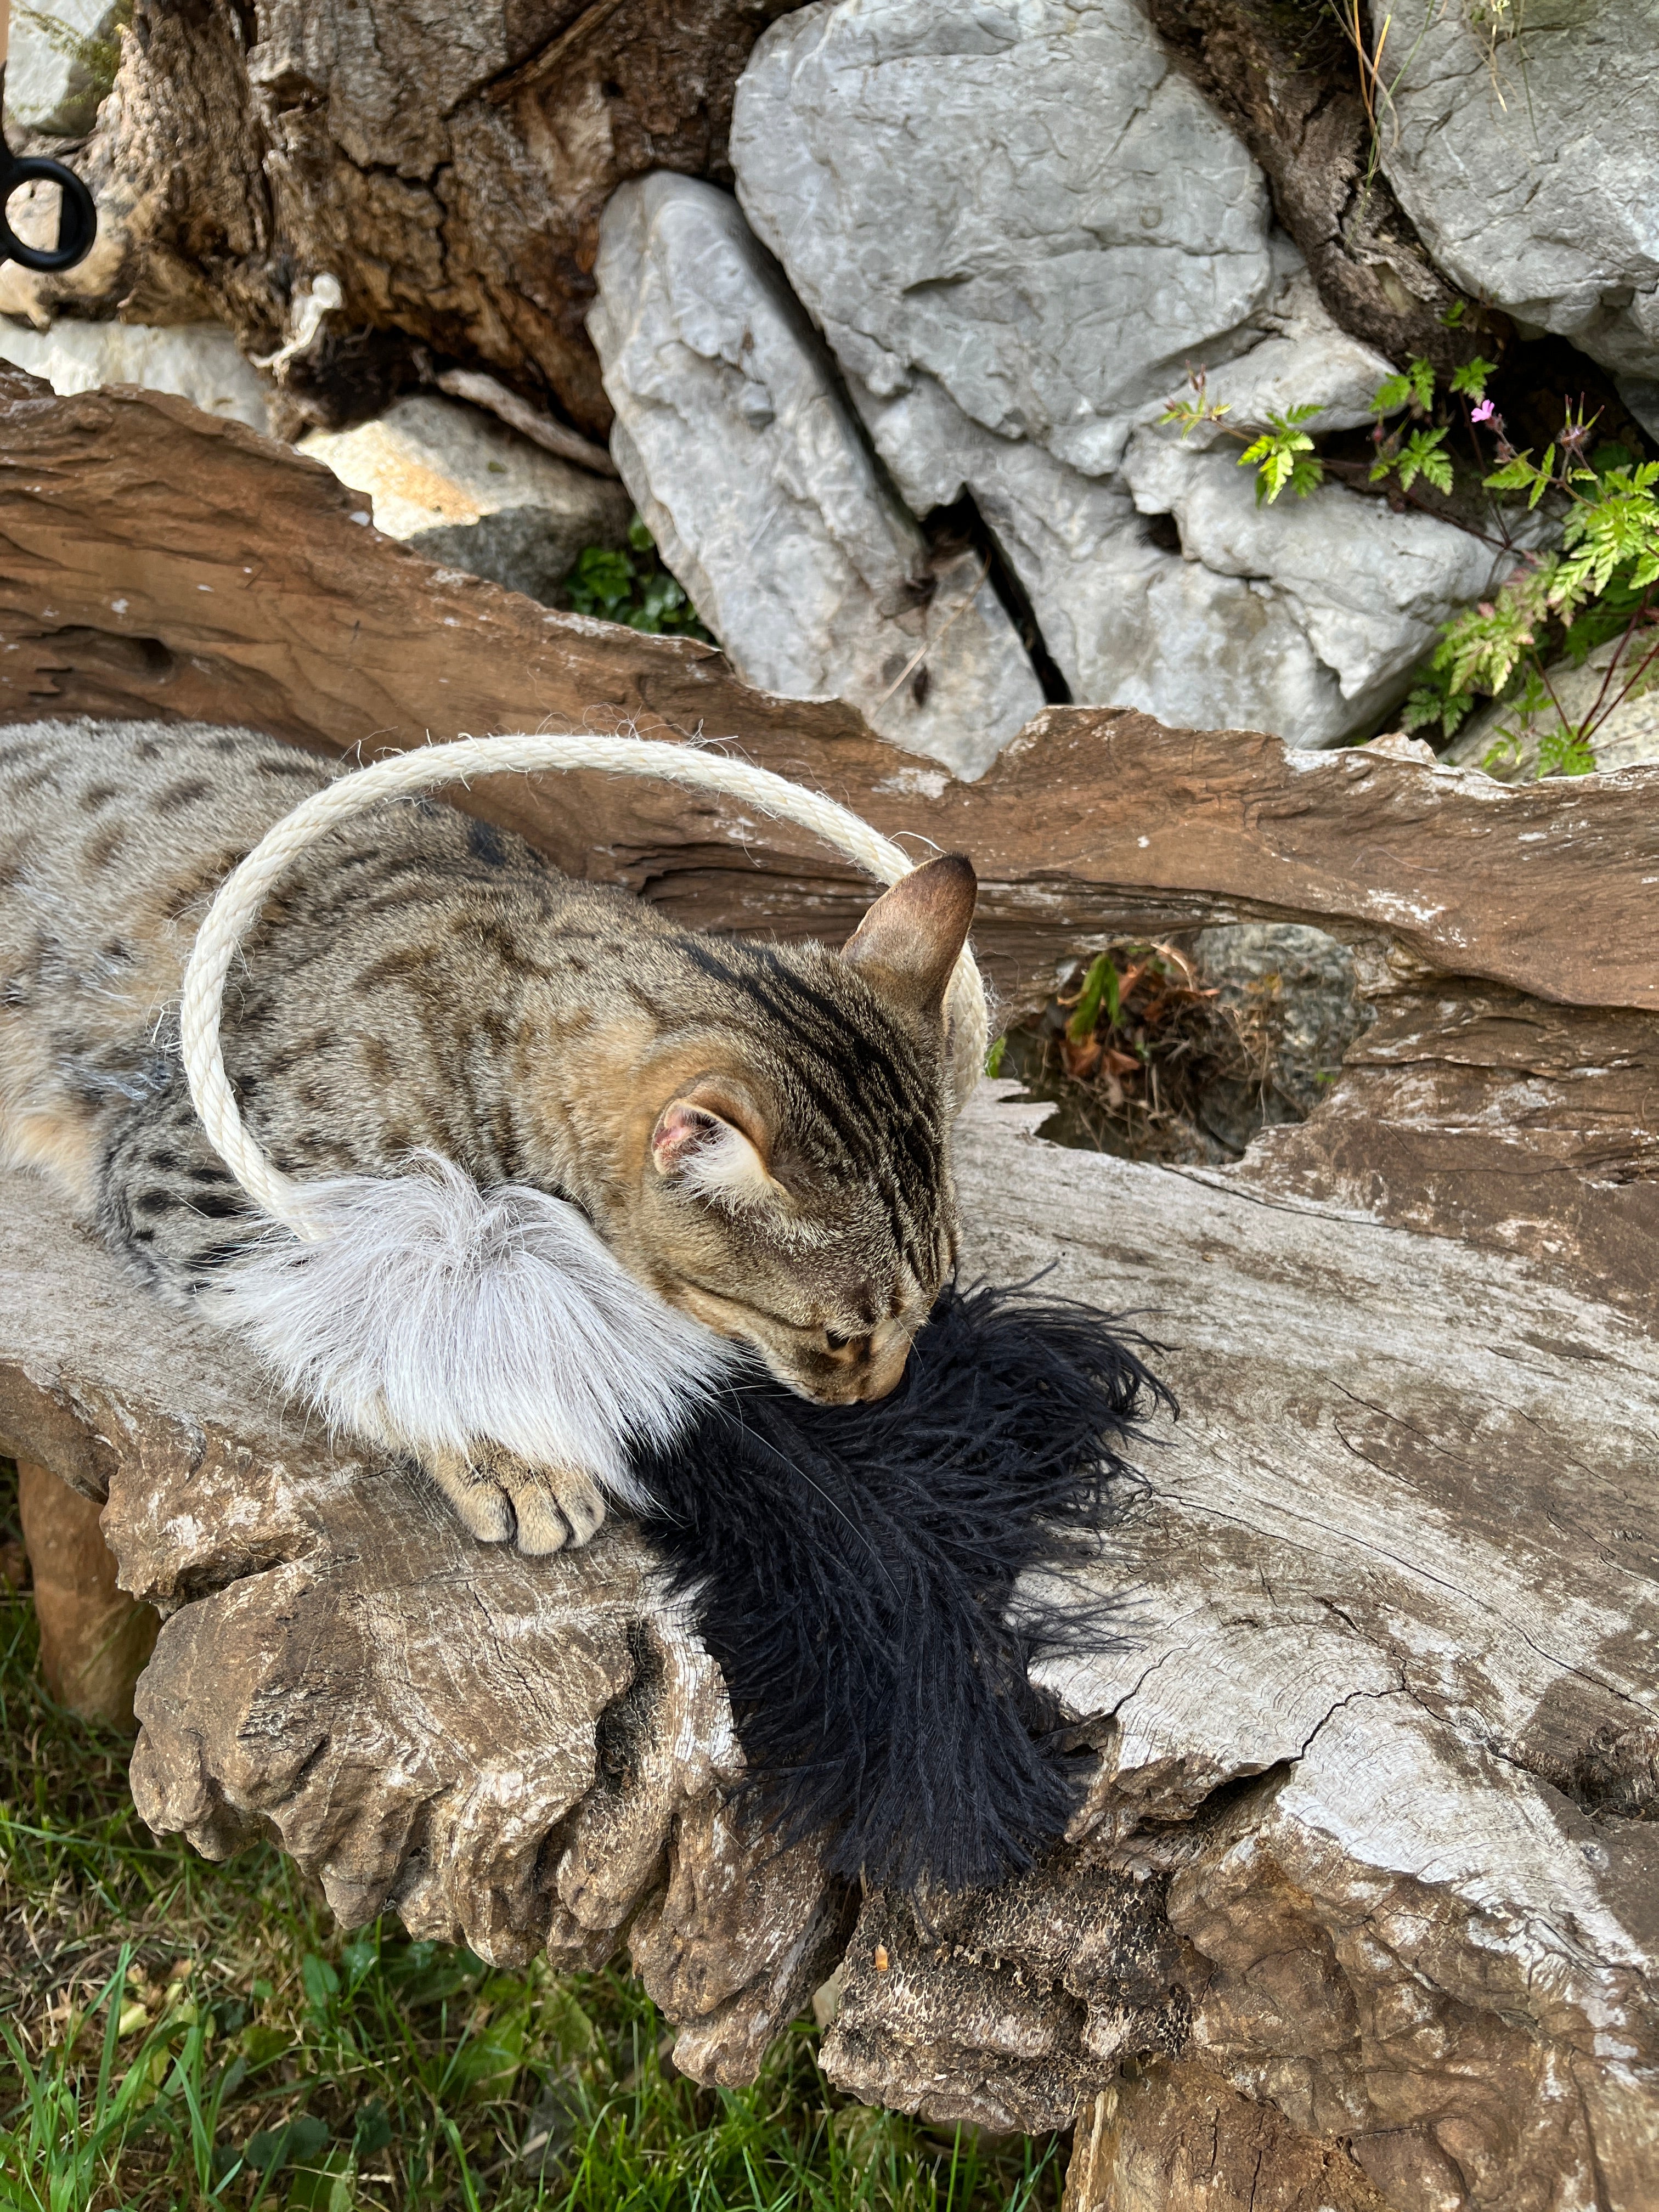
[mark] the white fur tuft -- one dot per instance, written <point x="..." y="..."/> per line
<point x="436" y="1315"/>
<point x="726" y="1169"/>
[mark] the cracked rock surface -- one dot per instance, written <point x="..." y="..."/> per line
<point x="1524" y="163"/>
<point x="1018" y="230"/>
<point x="754" y="476"/>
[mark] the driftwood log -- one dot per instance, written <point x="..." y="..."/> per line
<point x="445" y="165"/>
<point x="1363" y="1909"/>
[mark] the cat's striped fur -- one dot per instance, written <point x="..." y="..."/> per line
<point x="757" y="1136"/>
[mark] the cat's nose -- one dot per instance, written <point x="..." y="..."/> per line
<point x="889" y="1347"/>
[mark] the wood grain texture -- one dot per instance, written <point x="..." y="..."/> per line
<point x="155" y="561"/>
<point x="1388" y="1604"/>
<point x="1371" y="1842"/>
<point x="1490" y="1115"/>
<point x="1171" y="2138"/>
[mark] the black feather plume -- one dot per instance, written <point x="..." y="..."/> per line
<point x="852" y="1569"/>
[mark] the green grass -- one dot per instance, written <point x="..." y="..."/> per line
<point x="176" y="2035"/>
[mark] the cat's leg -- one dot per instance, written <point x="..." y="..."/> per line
<point x="364" y="1325"/>
<point x="498" y="1497"/>
<point x="164" y="1197"/>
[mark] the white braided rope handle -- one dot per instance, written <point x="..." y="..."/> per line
<point x="244" y="892"/>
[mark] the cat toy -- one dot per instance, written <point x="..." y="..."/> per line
<point x="873" y="1580"/>
<point x="77" y="215"/>
<point x="244" y="892"/>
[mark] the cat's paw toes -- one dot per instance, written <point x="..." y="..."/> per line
<point x="483" y="1509"/>
<point x="555" y="1506"/>
<point x="501" y="1499"/>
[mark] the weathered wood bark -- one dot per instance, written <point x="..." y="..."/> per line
<point x="1369" y="1842"/>
<point x="1171" y="2135"/>
<point x="446" y="165"/>
<point x="1368" y="1888"/>
<point x="1291" y="82"/>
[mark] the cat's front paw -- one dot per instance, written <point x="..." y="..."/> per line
<point x="501" y="1499"/>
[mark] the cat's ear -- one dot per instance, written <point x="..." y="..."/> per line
<point x="706" y="1152"/>
<point x="908" y="944"/>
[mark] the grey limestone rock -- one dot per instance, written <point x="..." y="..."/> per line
<point x="1078" y="228"/>
<point x="199" y="362"/>
<point x="61" y="64"/>
<point x="1354" y="589"/>
<point x="1026" y="203"/>
<point x="459" y="487"/>
<point x="1528" y="167"/>
<point x="757" y="481"/>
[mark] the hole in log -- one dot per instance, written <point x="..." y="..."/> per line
<point x="143" y="660"/>
<point x="623" y="1729"/>
<point x="1617" y="1773"/>
<point x="1181" y="1051"/>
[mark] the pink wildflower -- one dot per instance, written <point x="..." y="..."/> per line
<point x="1483" y="413"/>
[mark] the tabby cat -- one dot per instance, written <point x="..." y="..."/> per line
<point x="460" y="1051"/>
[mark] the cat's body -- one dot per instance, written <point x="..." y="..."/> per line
<point x="757" y="1135"/>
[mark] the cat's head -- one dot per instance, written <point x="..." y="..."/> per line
<point x="794" y="1185"/>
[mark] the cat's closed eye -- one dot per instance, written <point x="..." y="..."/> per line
<point x="836" y="1342"/>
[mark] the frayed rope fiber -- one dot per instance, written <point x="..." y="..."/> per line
<point x="852" y="1569"/>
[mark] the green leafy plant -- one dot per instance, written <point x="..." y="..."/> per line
<point x="1600" y="584"/>
<point x="1101" y="993"/>
<point x="1415" y="445"/>
<point x="1279" y="450"/>
<point x="1419" y="456"/>
<point x="1566" y="752"/>
<point x="1414" y="386"/>
<point x="631" y="586"/>
<point x="1470" y="378"/>
<point x="1283" y="454"/>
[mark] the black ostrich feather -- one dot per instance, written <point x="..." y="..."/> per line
<point x="852" y="1569"/>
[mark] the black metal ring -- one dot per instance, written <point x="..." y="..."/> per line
<point x="77" y="215"/>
